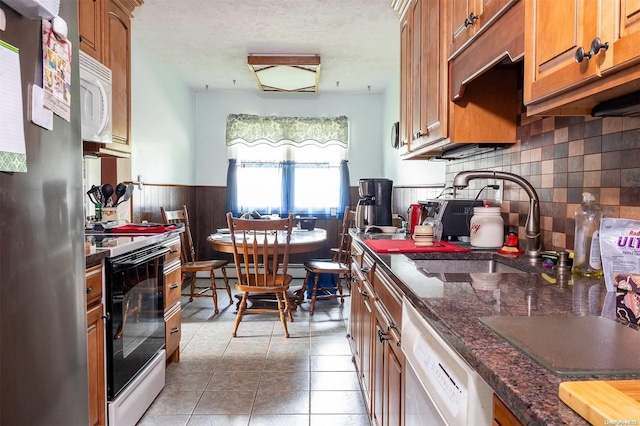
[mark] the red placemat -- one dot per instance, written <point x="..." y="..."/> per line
<point x="142" y="229"/>
<point x="408" y="246"/>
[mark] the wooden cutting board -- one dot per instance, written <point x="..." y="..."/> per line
<point x="604" y="402"/>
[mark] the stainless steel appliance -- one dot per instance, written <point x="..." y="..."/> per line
<point x="454" y="214"/>
<point x="374" y="206"/>
<point x="440" y="387"/>
<point x="43" y="350"/>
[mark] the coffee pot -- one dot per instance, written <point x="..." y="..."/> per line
<point x="365" y="213"/>
<point x="374" y="206"/>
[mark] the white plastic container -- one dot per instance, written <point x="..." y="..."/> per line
<point x="586" y="245"/>
<point x="487" y="227"/>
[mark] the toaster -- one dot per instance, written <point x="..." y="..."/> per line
<point x="454" y="214"/>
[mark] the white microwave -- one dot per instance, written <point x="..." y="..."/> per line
<point x="95" y="99"/>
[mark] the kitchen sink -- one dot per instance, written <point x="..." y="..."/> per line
<point x="465" y="266"/>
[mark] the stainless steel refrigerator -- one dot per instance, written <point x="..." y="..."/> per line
<point x="43" y="352"/>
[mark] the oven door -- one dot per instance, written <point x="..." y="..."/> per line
<point x="135" y="317"/>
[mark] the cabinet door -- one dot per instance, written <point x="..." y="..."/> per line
<point x="427" y="100"/>
<point x="461" y="27"/>
<point x="626" y="46"/>
<point x="355" y="322"/>
<point x="118" y="58"/>
<point x="502" y="416"/>
<point x="469" y="18"/>
<point x="433" y="99"/>
<point x="366" y="341"/>
<point x="405" y="83"/>
<point x="395" y="390"/>
<point x="554" y="32"/>
<point x="95" y="366"/>
<point x="378" y="391"/>
<point x="90" y="27"/>
<point x="415" y="13"/>
<point x="388" y="363"/>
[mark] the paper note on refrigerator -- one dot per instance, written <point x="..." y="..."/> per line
<point x="13" y="154"/>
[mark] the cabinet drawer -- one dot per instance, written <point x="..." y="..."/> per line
<point x="174" y="250"/>
<point x="388" y="297"/>
<point x="93" y="282"/>
<point x="173" y="330"/>
<point x="172" y="284"/>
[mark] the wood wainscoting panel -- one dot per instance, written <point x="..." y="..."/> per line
<point x="207" y="208"/>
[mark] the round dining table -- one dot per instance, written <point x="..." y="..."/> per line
<point x="302" y="241"/>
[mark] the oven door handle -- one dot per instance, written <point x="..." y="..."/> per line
<point x="154" y="255"/>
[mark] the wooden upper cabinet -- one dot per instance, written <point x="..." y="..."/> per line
<point x="461" y="26"/>
<point x="426" y="60"/>
<point x="105" y="34"/>
<point x="405" y="69"/>
<point x="559" y="33"/>
<point x="118" y="58"/>
<point x="626" y="46"/>
<point x="90" y="27"/>
<point x="550" y="54"/>
<point x="468" y="18"/>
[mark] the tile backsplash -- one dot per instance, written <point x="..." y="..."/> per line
<point x="562" y="157"/>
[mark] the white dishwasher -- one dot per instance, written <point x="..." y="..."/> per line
<point x="440" y="387"/>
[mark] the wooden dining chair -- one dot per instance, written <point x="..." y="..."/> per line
<point x="339" y="267"/>
<point x="190" y="264"/>
<point x="261" y="257"/>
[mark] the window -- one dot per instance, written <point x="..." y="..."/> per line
<point x="294" y="174"/>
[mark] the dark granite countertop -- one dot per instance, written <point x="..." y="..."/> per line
<point x="454" y="306"/>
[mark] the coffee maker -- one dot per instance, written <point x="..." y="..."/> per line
<point x="374" y="206"/>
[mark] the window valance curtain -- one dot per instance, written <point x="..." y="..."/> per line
<point x="298" y="131"/>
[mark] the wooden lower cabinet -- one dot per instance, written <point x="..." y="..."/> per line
<point x="96" y="347"/>
<point x="388" y="372"/>
<point x="361" y="328"/>
<point x="375" y="343"/>
<point x="502" y="416"/>
<point x="173" y="332"/>
<point x="172" y="308"/>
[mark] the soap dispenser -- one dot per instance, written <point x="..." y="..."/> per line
<point x="586" y="258"/>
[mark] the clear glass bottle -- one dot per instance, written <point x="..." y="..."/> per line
<point x="586" y="248"/>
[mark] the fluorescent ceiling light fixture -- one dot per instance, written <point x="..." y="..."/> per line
<point x="286" y="73"/>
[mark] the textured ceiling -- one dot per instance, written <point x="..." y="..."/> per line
<point x="207" y="42"/>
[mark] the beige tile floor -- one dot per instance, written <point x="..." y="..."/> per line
<point x="259" y="377"/>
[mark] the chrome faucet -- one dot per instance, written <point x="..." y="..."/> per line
<point x="532" y="225"/>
